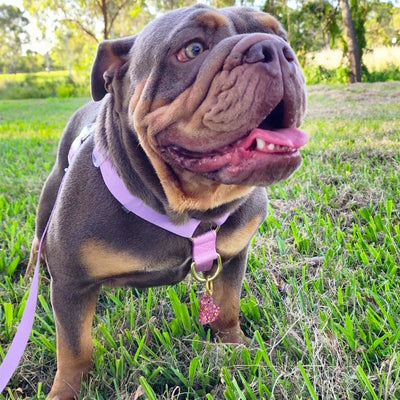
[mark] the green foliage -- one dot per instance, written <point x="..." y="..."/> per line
<point x="311" y="26"/>
<point x="93" y="19"/>
<point x="389" y="74"/>
<point x="316" y="24"/>
<point x="75" y="53"/>
<point x="383" y="24"/>
<point x="316" y="74"/>
<point x="330" y="331"/>
<point x="31" y="62"/>
<point x="40" y="85"/>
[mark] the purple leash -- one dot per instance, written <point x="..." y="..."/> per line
<point x="20" y="341"/>
<point x="21" y="338"/>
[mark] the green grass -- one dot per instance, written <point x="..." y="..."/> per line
<point x="329" y="330"/>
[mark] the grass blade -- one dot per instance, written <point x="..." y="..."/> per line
<point x="307" y="381"/>
<point x="366" y="382"/>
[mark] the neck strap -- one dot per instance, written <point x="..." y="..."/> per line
<point x="204" y="246"/>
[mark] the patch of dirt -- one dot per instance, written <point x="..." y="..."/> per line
<point x="383" y="92"/>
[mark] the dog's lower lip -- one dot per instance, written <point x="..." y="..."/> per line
<point x="258" y="143"/>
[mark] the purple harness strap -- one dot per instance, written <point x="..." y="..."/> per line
<point x="135" y="205"/>
<point x="204" y="246"/>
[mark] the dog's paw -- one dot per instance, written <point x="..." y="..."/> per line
<point x="65" y="389"/>
<point x="233" y="336"/>
<point x="64" y="395"/>
<point x="61" y="398"/>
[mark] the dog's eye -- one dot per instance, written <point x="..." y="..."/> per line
<point x="191" y="51"/>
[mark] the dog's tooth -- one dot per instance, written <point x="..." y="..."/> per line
<point x="271" y="146"/>
<point x="260" y="144"/>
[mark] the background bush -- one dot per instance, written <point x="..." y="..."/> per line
<point x="40" y="85"/>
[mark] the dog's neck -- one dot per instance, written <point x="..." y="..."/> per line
<point x="122" y="147"/>
<point x="120" y="142"/>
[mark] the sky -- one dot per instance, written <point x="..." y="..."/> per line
<point x="17" y="3"/>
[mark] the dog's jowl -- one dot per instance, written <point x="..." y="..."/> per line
<point x="191" y="119"/>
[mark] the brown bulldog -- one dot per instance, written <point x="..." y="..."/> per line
<point x="196" y="114"/>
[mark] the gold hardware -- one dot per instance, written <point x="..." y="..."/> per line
<point x="209" y="287"/>
<point x="209" y="279"/>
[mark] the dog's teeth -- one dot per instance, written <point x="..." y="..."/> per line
<point x="260" y="144"/>
<point x="271" y="146"/>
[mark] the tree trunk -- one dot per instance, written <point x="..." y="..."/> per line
<point x="352" y="44"/>
<point x="104" y="12"/>
<point x="271" y="7"/>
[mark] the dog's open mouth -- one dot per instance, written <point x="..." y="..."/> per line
<point x="258" y="143"/>
<point x="265" y="155"/>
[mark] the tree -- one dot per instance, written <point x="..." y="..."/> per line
<point x="77" y="26"/>
<point x="72" y="51"/>
<point x="12" y="36"/>
<point x="31" y="62"/>
<point x="315" y="24"/>
<point x="352" y="42"/>
<point x="312" y="25"/>
<point x="94" y="18"/>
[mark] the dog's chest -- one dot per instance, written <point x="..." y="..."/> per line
<point x="103" y="260"/>
<point x="153" y="258"/>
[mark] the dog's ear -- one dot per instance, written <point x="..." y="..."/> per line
<point x="111" y="55"/>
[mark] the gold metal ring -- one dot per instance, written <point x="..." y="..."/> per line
<point x="208" y="278"/>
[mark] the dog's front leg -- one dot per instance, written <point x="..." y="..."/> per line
<point x="74" y="309"/>
<point x="227" y="290"/>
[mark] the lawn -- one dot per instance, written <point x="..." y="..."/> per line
<point x="321" y="301"/>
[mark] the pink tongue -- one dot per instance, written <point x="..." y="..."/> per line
<point x="289" y="137"/>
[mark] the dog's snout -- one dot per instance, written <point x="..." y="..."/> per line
<point x="268" y="51"/>
<point x="261" y="52"/>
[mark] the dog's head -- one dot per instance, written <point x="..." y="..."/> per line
<point x="215" y="98"/>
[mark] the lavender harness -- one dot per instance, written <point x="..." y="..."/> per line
<point x="204" y="251"/>
<point x="204" y="246"/>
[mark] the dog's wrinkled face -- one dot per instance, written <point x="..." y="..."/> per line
<point x="216" y="97"/>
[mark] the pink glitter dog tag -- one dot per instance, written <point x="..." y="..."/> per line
<point x="209" y="311"/>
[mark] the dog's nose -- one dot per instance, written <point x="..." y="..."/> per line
<point x="269" y="51"/>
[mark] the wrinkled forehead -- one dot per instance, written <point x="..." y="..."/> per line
<point x="166" y="27"/>
<point x="249" y="20"/>
<point x="237" y="20"/>
<point x="174" y="27"/>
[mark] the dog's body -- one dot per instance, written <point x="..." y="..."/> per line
<point x="194" y="102"/>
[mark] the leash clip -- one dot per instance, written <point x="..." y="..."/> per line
<point x="208" y="280"/>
